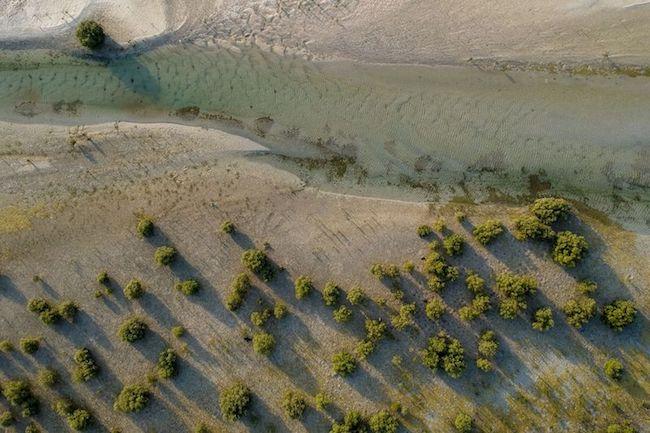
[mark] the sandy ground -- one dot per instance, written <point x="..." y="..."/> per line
<point x="67" y="212"/>
<point x="406" y="31"/>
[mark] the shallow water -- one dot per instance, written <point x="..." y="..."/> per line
<point x="455" y="131"/>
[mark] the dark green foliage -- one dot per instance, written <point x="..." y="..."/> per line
<point x="375" y="331"/>
<point x="342" y="314"/>
<point x="132" y="330"/>
<point x="263" y="343"/>
<point x="145" y="226"/>
<point x="513" y="290"/>
<point x="227" y="226"/>
<point x="446" y="352"/>
<point x="238" y="289"/>
<point x="550" y="209"/>
<point x="68" y="310"/>
<point x="619" y="314"/>
<point x="453" y="244"/>
<point x="188" y="287"/>
<point x="475" y="283"/>
<point x="569" y="248"/>
<point x="203" y="428"/>
<point x="543" y="319"/>
<point x="463" y="423"/>
<point x="439" y="271"/>
<point x="234" y="401"/>
<point x="384" y="270"/>
<point x="586" y="287"/>
<point x="434" y="309"/>
<point x="259" y="318"/>
<point x="165" y="255"/>
<point x="383" y="422"/>
<point x="479" y="305"/>
<point x="257" y="262"/>
<point x="132" y="398"/>
<point x="134" y="289"/>
<point x="90" y="34"/>
<point x="39" y="305"/>
<point x="30" y="344"/>
<point x="424" y="230"/>
<point x="32" y="428"/>
<point x="6" y="419"/>
<point x="331" y="293"/>
<point x="48" y="377"/>
<point x="579" y="311"/>
<point x="77" y="418"/>
<point x="353" y="422"/>
<point x="613" y="369"/>
<point x="293" y="404"/>
<point x="85" y="365"/>
<point x="404" y="317"/>
<point x="303" y="286"/>
<point x="167" y="363"/>
<point x="19" y="394"/>
<point x="530" y="227"/>
<point x="50" y="314"/>
<point x="102" y="278"/>
<point x="50" y="317"/>
<point x="343" y="363"/>
<point x="488" y="231"/>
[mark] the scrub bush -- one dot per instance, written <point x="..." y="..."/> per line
<point x="85" y="365"/>
<point x="550" y="209"/>
<point x="303" y="286"/>
<point x="30" y="344"/>
<point x="424" y="230"/>
<point x="90" y="34"/>
<point x="342" y="314"/>
<point x="258" y="263"/>
<point x="513" y="290"/>
<point x="167" y="364"/>
<point x="293" y="404"/>
<point x="434" y="309"/>
<point x="178" y="331"/>
<point x="238" y="289"/>
<point x="404" y="317"/>
<point x="353" y="422"/>
<point x="6" y="419"/>
<point x="613" y="369"/>
<point x="132" y="398"/>
<point x="475" y="283"/>
<point x="263" y="343"/>
<point x="569" y="249"/>
<point x="446" y="352"/>
<point x="453" y="244"/>
<point x="19" y="394"/>
<point x="543" y="319"/>
<point x="68" y="310"/>
<point x="620" y="428"/>
<point x="145" y="226"/>
<point x="383" y="422"/>
<point x="356" y="295"/>
<point x="134" y="289"/>
<point x="463" y="423"/>
<point x="530" y="227"/>
<point x="586" y="287"/>
<point x="619" y="314"/>
<point x="102" y="278"/>
<point x="259" y="318"/>
<point x="280" y="311"/>
<point x="132" y="330"/>
<point x="439" y="225"/>
<point x="479" y="305"/>
<point x="188" y="287"/>
<point x="331" y="294"/>
<point x="343" y="363"/>
<point x="165" y="255"/>
<point x="235" y="401"/>
<point x="227" y="227"/>
<point x="322" y="400"/>
<point x="579" y="311"/>
<point x="488" y="231"/>
<point x="48" y="377"/>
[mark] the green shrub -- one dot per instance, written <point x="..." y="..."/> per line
<point x="620" y="428"/>
<point x="375" y="329"/>
<point x="460" y="216"/>
<point x="145" y="226"/>
<point x="77" y="418"/>
<point x="474" y="282"/>
<point x="165" y="255"/>
<point x="439" y="225"/>
<point x="6" y="346"/>
<point x="203" y="428"/>
<point x="530" y="227"/>
<point x="188" y="287"/>
<point x="30" y="344"/>
<point x="134" y="289"/>
<point x="613" y="369"/>
<point x="234" y="401"/>
<point x="484" y="364"/>
<point x="424" y="230"/>
<point x="404" y="317"/>
<point x="238" y="289"/>
<point x="543" y="319"/>
<point x="132" y="330"/>
<point x="356" y="295"/>
<point x="85" y="365"/>
<point x="579" y="311"/>
<point x="342" y="314"/>
<point x="132" y="398"/>
<point x="263" y="343"/>
<point x="619" y="314"/>
<point x="569" y="249"/>
<point x="39" y="305"/>
<point x="384" y="270"/>
<point x="167" y="363"/>
<point x="50" y="317"/>
<point x="259" y="318"/>
<point x="488" y="231"/>
<point x="488" y="345"/>
<point x="227" y="226"/>
<point x="434" y="309"/>
<point x="479" y="305"/>
<point x="513" y="290"/>
<point x="408" y="266"/>
<point x="446" y="352"/>
<point x="32" y="428"/>
<point x="68" y="310"/>
<point x="453" y="244"/>
<point x="303" y="286"/>
<point x="178" y="331"/>
<point x="293" y="404"/>
<point x="90" y="34"/>
<point x="364" y="348"/>
<point x="257" y="262"/>
<point x="586" y="287"/>
<point x="440" y="272"/>
<point x="331" y="293"/>
<point x="353" y="422"/>
<point x="550" y="209"/>
<point x="510" y="307"/>
<point x="102" y="278"/>
<point x="48" y="377"/>
<point x="383" y="422"/>
<point x="322" y="400"/>
<point x="343" y="363"/>
<point x="19" y="394"/>
<point x="280" y="310"/>
<point x="6" y="419"/>
<point x="463" y="423"/>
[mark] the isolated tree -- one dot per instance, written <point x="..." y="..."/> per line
<point x="550" y="209"/>
<point x="235" y="401"/>
<point x="90" y="34"/>
<point x="619" y="314"/>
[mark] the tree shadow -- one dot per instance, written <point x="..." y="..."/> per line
<point x="84" y="329"/>
<point x="10" y="291"/>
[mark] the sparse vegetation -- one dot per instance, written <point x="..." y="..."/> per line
<point x="293" y="404"/>
<point x="238" y="289"/>
<point x="569" y="248"/>
<point x="579" y="311"/>
<point x="134" y="289"/>
<point x="613" y="369"/>
<point x="453" y="244"/>
<point x="488" y="231"/>
<point x="145" y="226"/>
<point x="19" y="394"/>
<point x="550" y="209"/>
<point x="343" y="363"/>
<point x="188" y="287"/>
<point x="227" y="227"/>
<point x="234" y="401"/>
<point x="619" y="314"/>
<point x="424" y="230"/>
<point x="384" y="270"/>
<point x="258" y="263"/>
<point x="263" y="343"/>
<point x="167" y="363"/>
<point x="446" y="352"/>
<point x="331" y="294"/>
<point x="90" y="34"/>
<point x="620" y="428"/>
<point x="132" y="398"/>
<point x="85" y="365"/>
<point x="543" y="319"/>
<point x="303" y="286"/>
<point x="132" y="330"/>
<point x="165" y="255"/>
<point x="178" y="331"/>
